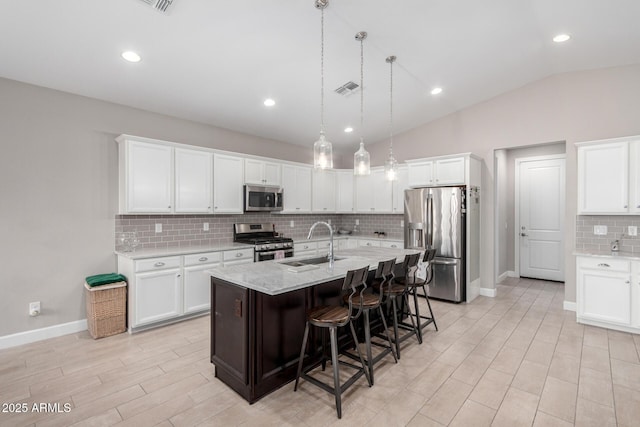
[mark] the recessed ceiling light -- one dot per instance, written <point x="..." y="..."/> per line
<point x="269" y="102"/>
<point x="131" y="56"/>
<point x="561" y="38"/>
<point x="436" y="90"/>
<point x="348" y="129"/>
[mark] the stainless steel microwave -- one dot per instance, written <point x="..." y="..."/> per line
<point x="262" y="198"/>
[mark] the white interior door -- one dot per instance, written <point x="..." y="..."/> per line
<point x="540" y="198"/>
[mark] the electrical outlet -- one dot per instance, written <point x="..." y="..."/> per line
<point x="159" y="228"/>
<point x="600" y="230"/>
<point x="402" y="223"/>
<point x="632" y="230"/>
<point x="329" y="221"/>
<point x="34" y="308"/>
<point x="205" y="226"/>
<point x="292" y="224"/>
<point x="357" y="222"/>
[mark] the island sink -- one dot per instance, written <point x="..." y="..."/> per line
<point x="309" y="261"/>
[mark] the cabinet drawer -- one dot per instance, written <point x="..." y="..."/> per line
<point x="375" y="243"/>
<point x="157" y="263"/>
<point x="393" y="245"/>
<point x="604" y="264"/>
<point x="238" y="254"/>
<point x="305" y="246"/>
<point x="203" y="258"/>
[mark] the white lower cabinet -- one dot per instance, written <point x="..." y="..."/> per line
<point x="166" y="289"/>
<point x="156" y="295"/>
<point x="606" y="295"/>
<point x="305" y="249"/>
<point x="369" y="242"/>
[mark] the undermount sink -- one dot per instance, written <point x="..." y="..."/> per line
<point x="309" y="261"/>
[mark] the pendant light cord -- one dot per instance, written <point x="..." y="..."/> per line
<point x="391" y="108"/>
<point x="322" y="71"/>
<point x="362" y="89"/>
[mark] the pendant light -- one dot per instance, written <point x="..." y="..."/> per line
<point x="391" y="165"/>
<point x="361" y="159"/>
<point x="322" y="149"/>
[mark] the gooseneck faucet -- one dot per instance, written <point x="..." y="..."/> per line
<point x="330" y="255"/>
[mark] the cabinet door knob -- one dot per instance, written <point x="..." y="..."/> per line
<point x="394" y="246"/>
<point x="202" y="259"/>
<point x="169" y="206"/>
<point x="603" y="265"/>
<point x="627" y="282"/>
<point x="158" y="264"/>
<point x="239" y="254"/>
<point x="626" y="206"/>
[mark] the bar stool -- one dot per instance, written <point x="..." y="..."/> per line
<point x="333" y="317"/>
<point x="413" y="283"/>
<point x="372" y="301"/>
<point x="397" y="290"/>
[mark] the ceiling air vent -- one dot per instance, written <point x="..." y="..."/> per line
<point x="347" y="89"/>
<point x="161" y="5"/>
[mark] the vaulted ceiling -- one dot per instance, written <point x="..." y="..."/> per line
<point x="217" y="61"/>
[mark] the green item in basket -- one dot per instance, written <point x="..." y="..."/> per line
<point x="105" y="279"/>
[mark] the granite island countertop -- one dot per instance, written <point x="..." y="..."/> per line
<point x="275" y="277"/>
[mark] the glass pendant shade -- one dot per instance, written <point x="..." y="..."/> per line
<point x="322" y="153"/>
<point x="391" y="168"/>
<point x="361" y="161"/>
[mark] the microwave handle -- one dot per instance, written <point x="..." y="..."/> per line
<point x="279" y="203"/>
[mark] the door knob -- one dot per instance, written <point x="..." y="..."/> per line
<point x="524" y="234"/>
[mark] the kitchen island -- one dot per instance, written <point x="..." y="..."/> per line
<point x="259" y="314"/>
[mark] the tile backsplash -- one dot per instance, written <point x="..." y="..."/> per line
<point x="617" y="228"/>
<point x="188" y="230"/>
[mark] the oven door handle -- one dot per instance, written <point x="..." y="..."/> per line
<point x="286" y="251"/>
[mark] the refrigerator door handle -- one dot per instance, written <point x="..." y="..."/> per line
<point x="445" y="262"/>
<point x="429" y="237"/>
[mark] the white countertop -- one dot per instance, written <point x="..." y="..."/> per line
<point x="274" y="278"/>
<point x="182" y="250"/>
<point x="186" y="250"/>
<point x="632" y="256"/>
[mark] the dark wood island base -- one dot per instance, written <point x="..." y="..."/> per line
<point x="256" y="338"/>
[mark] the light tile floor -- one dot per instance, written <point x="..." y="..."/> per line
<point x="517" y="359"/>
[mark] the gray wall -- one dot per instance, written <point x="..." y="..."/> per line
<point x="571" y="107"/>
<point x="58" y="174"/>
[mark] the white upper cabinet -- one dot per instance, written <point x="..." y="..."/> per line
<point x="228" y="176"/>
<point x="146" y="177"/>
<point x="438" y="171"/>
<point x="634" y="183"/>
<point x="373" y="193"/>
<point x="323" y="191"/>
<point x="193" y="181"/>
<point x="344" y="191"/>
<point x="260" y="172"/>
<point x="607" y="177"/>
<point x="296" y="182"/>
<point x="450" y="171"/>
<point x="399" y="185"/>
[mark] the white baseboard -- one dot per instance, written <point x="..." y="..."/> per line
<point x="569" y="305"/>
<point x="487" y="292"/>
<point x="512" y="274"/>
<point x="26" y="337"/>
<point x="502" y="277"/>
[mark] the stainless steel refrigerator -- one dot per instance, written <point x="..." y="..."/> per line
<point x="434" y="218"/>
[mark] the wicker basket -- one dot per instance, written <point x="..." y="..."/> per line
<point x="106" y="309"/>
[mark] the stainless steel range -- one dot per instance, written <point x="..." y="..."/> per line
<point x="267" y="244"/>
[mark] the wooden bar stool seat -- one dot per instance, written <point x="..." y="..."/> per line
<point x="333" y="317"/>
<point x="373" y="301"/>
<point x="413" y="283"/>
<point x="396" y="292"/>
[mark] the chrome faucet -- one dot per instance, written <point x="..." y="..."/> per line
<point x="330" y="254"/>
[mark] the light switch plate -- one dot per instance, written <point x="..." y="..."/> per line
<point x="633" y="230"/>
<point x="600" y="230"/>
<point x="205" y="226"/>
<point x="159" y="228"/>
